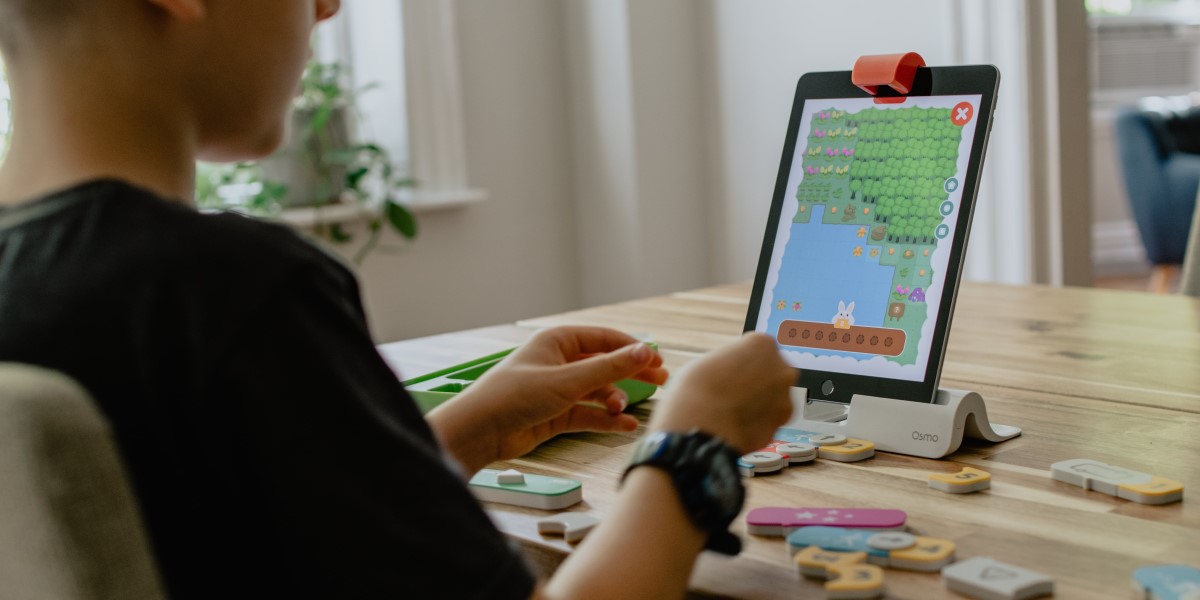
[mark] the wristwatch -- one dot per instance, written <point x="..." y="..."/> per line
<point x="704" y="470"/>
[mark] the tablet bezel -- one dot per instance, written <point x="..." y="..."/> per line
<point x="982" y="80"/>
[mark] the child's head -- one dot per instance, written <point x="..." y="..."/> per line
<point x="228" y="67"/>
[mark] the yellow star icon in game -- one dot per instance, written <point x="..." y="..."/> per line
<point x="858" y="251"/>
<point x="862" y="232"/>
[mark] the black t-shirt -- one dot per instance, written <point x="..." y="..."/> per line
<point x="272" y="451"/>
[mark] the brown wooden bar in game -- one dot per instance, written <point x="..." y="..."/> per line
<point x="851" y="338"/>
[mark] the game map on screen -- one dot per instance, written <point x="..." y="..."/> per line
<point x="863" y="244"/>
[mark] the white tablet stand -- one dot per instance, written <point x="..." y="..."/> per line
<point x="931" y="430"/>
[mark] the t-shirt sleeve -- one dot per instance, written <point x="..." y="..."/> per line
<point x="341" y="469"/>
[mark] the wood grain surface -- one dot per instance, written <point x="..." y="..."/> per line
<point x="1108" y="375"/>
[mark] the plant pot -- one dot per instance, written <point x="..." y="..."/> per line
<point x="302" y="163"/>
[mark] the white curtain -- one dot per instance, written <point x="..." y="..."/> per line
<point x="679" y="110"/>
<point x="1032" y="222"/>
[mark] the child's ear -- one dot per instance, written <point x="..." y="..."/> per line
<point x="326" y="9"/>
<point x="187" y="10"/>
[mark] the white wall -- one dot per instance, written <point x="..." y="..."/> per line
<point x="514" y="255"/>
<point x="639" y="133"/>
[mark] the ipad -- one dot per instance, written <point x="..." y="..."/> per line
<point x="865" y="240"/>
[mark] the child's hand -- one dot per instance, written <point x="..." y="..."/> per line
<point x="739" y="392"/>
<point x="560" y="381"/>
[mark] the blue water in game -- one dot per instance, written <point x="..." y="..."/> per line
<point x="819" y="269"/>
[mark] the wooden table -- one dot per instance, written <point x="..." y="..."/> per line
<point x="1113" y="376"/>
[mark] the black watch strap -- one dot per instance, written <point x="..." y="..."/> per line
<point x="704" y="470"/>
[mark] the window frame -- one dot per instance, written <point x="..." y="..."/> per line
<point x="418" y="78"/>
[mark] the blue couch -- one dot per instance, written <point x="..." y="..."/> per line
<point x="1160" y="159"/>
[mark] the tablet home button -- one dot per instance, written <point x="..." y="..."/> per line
<point x="827" y="387"/>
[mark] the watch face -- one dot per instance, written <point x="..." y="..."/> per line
<point x="723" y="485"/>
<point x="653" y="446"/>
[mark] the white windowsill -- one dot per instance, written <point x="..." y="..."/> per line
<point x="417" y="203"/>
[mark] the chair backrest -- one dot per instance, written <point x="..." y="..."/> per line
<point x="1191" y="259"/>
<point x="69" y="524"/>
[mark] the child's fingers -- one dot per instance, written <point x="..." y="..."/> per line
<point x="610" y="398"/>
<point x="655" y="376"/>
<point x="588" y="418"/>
<point x="582" y="376"/>
<point x="573" y="343"/>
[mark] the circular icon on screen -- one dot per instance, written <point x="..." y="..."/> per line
<point x="942" y="231"/>
<point x="962" y="113"/>
<point x="947" y="208"/>
<point x="951" y="185"/>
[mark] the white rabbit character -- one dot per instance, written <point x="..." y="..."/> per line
<point x="844" y="318"/>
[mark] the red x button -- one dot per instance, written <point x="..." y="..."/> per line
<point x="962" y="113"/>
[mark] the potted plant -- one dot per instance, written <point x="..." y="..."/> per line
<point x="318" y="166"/>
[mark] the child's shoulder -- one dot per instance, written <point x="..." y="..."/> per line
<point x="114" y="225"/>
<point x="213" y="235"/>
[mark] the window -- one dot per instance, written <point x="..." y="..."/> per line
<point x="367" y="38"/>
<point x="1175" y="8"/>
<point x="1143" y="48"/>
<point x="1144" y="53"/>
<point x="407" y="53"/>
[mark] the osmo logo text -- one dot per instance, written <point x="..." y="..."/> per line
<point x="925" y="437"/>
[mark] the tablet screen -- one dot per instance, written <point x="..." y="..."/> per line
<point x="863" y="245"/>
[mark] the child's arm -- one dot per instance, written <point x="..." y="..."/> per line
<point x="648" y="522"/>
<point x="738" y="393"/>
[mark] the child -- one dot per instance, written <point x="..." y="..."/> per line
<point x="272" y="451"/>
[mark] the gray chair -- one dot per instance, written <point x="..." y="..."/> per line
<point x="69" y="523"/>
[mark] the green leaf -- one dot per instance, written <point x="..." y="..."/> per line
<point x="401" y="220"/>
<point x="321" y="118"/>
<point x="339" y="235"/>
<point x="353" y="178"/>
<point x="371" y="148"/>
